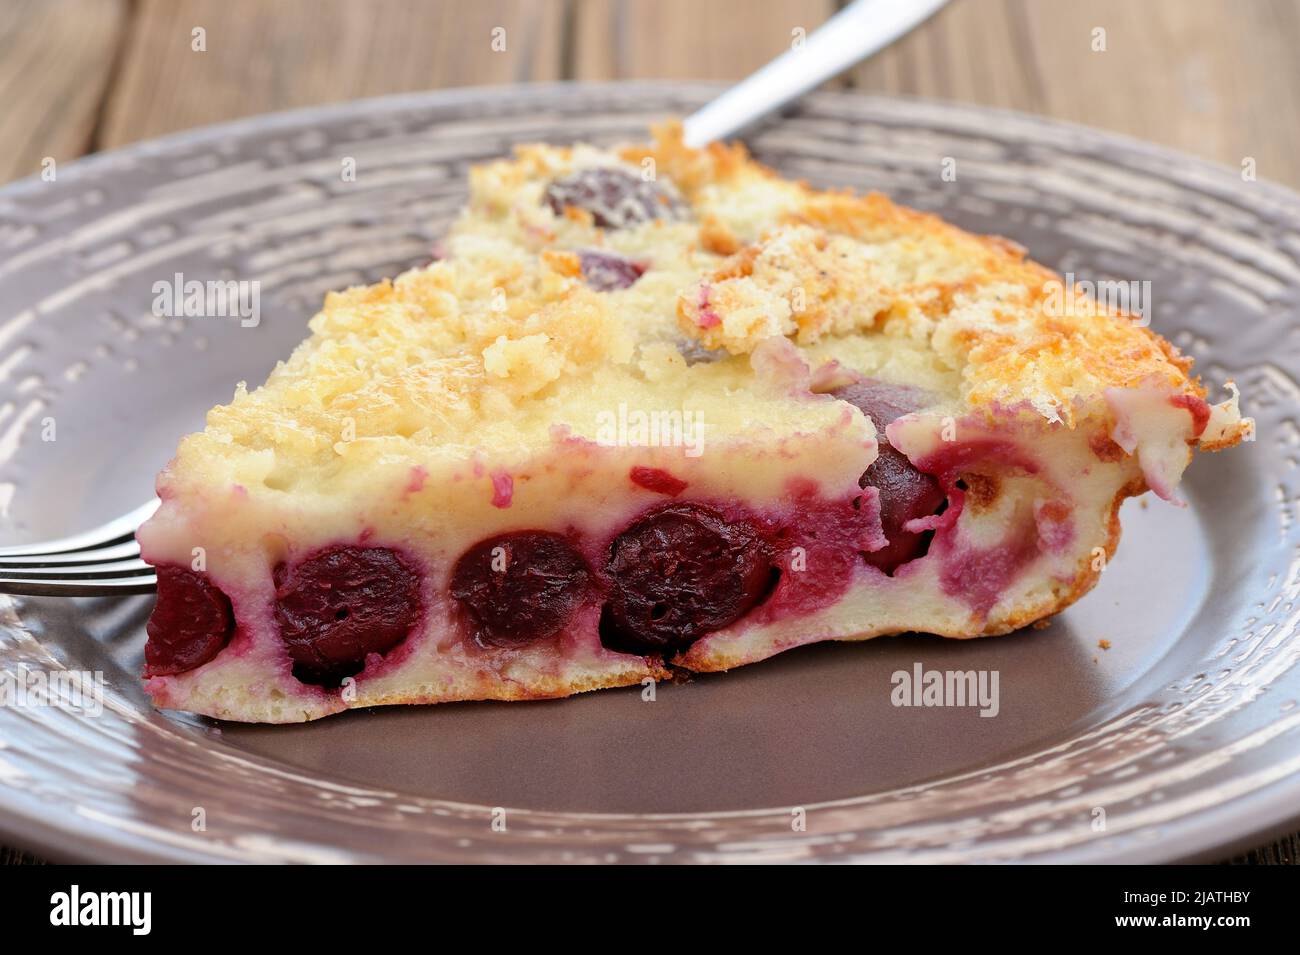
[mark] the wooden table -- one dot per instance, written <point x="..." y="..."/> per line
<point x="1211" y="77"/>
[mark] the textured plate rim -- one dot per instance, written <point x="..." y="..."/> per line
<point x="1202" y="834"/>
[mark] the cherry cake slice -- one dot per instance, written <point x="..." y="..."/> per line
<point x="655" y="408"/>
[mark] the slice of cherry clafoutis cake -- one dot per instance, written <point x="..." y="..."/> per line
<point x="655" y="408"/>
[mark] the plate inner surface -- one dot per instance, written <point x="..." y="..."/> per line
<point x="1191" y="707"/>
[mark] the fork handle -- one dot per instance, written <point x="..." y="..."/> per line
<point x="853" y="34"/>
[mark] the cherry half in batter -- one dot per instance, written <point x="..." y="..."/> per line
<point x="191" y="623"/>
<point x="616" y="198"/>
<point x="678" y="573"/>
<point x="341" y="605"/>
<point x="905" y="492"/>
<point x="519" y="588"/>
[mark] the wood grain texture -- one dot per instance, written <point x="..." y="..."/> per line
<point x="687" y="39"/>
<point x="262" y="57"/>
<point x="18" y="857"/>
<point x="1216" y="78"/>
<point x="56" y="59"/>
<point x="1213" y="77"/>
<point x="1285" y="851"/>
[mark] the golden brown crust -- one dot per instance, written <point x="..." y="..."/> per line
<point x="546" y="688"/>
<point x="502" y="344"/>
<point x="1020" y="336"/>
<point x="439" y="351"/>
<point x="715" y="237"/>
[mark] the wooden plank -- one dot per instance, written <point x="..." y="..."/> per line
<point x="56" y="57"/>
<point x="968" y="51"/>
<point x="1211" y="77"/>
<point x="269" y="56"/>
<point x="1285" y="851"/>
<point x="686" y="39"/>
<point x="17" y="857"/>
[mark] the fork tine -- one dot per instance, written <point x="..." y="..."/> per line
<point x="122" y="551"/>
<point x="116" y="531"/>
<point x="57" y="587"/>
<point x="101" y="562"/>
<point x="112" y="568"/>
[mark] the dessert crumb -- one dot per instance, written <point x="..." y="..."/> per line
<point x="1104" y="644"/>
<point x="1042" y="624"/>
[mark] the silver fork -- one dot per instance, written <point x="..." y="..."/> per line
<point x="106" y="560"/>
<point x="101" y="562"/>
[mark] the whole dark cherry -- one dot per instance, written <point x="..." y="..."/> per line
<point x="609" y="271"/>
<point x="883" y="401"/>
<point x="616" y="198"/>
<point x="339" y="606"/>
<point x="190" y="624"/>
<point x="905" y="492"/>
<point x="678" y="573"/>
<point x="519" y="588"/>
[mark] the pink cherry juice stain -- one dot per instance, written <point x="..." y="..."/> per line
<point x="979" y="576"/>
<point x="657" y="480"/>
<point x="818" y="544"/>
<point x="1197" y="408"/>
<point x="503" y="489"/>
<point x="707" y="318"/>
<point x="415" y="483"/>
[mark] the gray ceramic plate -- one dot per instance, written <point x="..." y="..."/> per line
<point x="1184" y="736"/>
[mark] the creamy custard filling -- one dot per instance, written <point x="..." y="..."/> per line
<point x="652" y="409"/>
<point x="1026" y="513"/>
